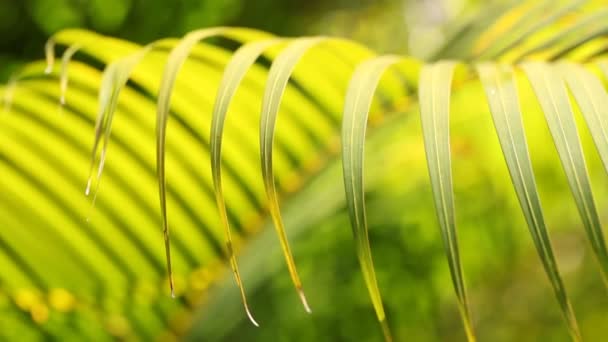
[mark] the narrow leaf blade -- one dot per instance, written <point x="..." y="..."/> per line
<point x="234" y="73"/>
<point x="114" y="79"/>
<point x="65" y="63"/>
<point x="278" y="77"/>
<point x="358" y="101"/>
<point x="551" y="92"/>
<point x="176" y="59"/>
<point x="592" y="99"/>
<point x="537" y="25"/>
<point x="573" y="32"/>
<point x="501" y="92"/>
<point x="434" y="96"/>
<point x="49" y="55"/>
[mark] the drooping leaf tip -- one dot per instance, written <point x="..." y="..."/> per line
<point x="386" y="330"/>
<point x="250" y="316"/>
<point x="87" y="191"/>
<point x="49" y="51"/>
<point x="303" y="300"/>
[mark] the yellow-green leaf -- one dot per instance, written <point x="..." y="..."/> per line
<point x="434" y="96"/>
<point x="278" y="77"/>
<point x="234" y="73"/>
<point x="501" y="92"/>
<point x="114" y="79"/>
<point x="592" y="99"/>
<point x="357" y="104"/>
<point x="552" y="94"/>
<point x="176" y="59"/>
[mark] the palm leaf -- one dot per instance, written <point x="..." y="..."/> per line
<point x="435" y="84"/>
<point x="357" y="105"/>
<point x="590" y="96"/>
<point x="278" y="77"/>
<point x="510" y="28"/>
<point x="571" y="36"/>
<point x="499" y="83"/>
<point x="43" y="190"/>
<point x="233" y="75"/>
<point x="175" y="62"/>
<point x="79" y="73"/>
<point x="552" y="94"/>
<point x="114" y="78"/>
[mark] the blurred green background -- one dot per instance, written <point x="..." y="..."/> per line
<point x="26" y="24"/>
<point x="511" y="298"/>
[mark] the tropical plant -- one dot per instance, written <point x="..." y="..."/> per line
<point x="96" y="266"/>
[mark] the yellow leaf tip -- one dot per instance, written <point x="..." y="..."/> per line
<point x="304" y="301"/>
<point x="87" y="191"/>
<point x="251" y="319"/>
<point x="172" y="286"/>
<point x="386" y="331"/>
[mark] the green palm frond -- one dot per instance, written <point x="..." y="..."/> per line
<point x="97" y="263"/>
<point x="504" y="104"/>
<point x="434" y="97"/>
<point x="356" y="109"/>
<point x="234" y="73"/>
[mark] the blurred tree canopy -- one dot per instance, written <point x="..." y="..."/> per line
<point x="26" y="24"/>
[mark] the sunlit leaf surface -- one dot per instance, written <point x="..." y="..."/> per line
<point x="110" y="278"/>
<point x="434" y="96"/>
<point x="499" y="84"/>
